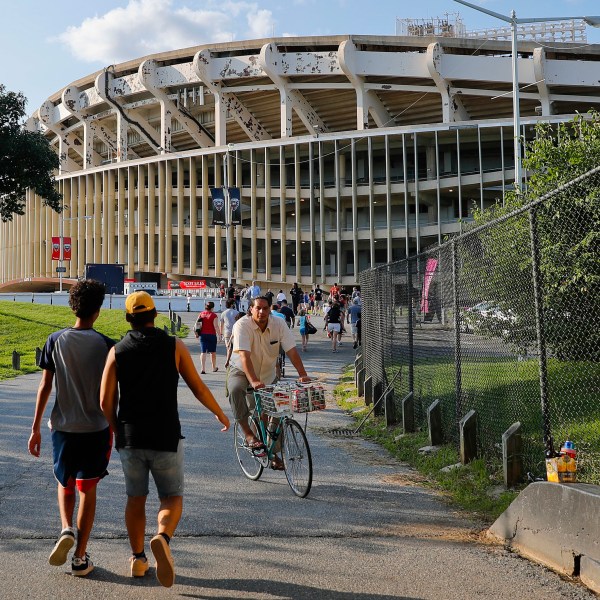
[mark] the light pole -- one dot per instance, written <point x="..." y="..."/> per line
<point x="514" y="22"/>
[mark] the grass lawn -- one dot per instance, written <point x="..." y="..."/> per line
<point x="25" y="327"/>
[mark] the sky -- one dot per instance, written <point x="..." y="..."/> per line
<point x="47" y="44"/>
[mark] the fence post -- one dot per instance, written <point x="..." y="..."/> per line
<point x="16" y="361"/>
<point x="38" y="356"/>
<point x="468" y="437"/>
<point x="377" y="393"/>
<point x="434" y="421"/>
<point x="369" y="390"/>
<point x="411" y="349"/>
<point x="457" y="320"/>
<point x="512" y="455"/>
<point x="408" y="413"/>
<point x="178" y="322"/>
<point x="539" y="329"/>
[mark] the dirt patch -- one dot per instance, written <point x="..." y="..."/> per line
<point x="445" y="532"/>
<point x="411" y="478"/>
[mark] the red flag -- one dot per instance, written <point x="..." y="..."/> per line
<point x="55" y="248"/>
<point x="66" y="248"/>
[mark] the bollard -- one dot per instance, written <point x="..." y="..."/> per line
<point x="166" y="329"/>
<point x="468" y="437"/>
<point x="38" y="356"/>
<point x="377" y="393"/>
<point x="360" y="384"/>
<point x="173" y="327"/>
<point x="369" y="390"/>
<point x="16" y="361"/>
<point x="434" y="422"/>
<point x="178" y="323"/>
<point x="408" y="413"/>
<point x="512" y="455"/>
<point x="390" y="408"/>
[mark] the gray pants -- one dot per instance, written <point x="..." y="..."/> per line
<point x="240" y="400"/>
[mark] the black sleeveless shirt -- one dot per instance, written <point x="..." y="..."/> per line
<point x="147" y="417"/>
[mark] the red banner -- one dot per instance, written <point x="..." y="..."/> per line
<point x="430" y="267"/>
<point x="186" y="285"/>
<point x="66" y="248"/>
<point x="56" y="248"/>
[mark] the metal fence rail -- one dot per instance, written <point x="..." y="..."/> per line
<point x="503" y="319"/>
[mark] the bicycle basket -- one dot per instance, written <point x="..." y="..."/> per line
<point x="308" y="397"/>
<point x="274" y="400"/>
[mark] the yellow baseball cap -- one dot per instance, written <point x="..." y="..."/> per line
<point x="138" y="302"/>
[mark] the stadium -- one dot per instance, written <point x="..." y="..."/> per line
<point x="349" y="152"/>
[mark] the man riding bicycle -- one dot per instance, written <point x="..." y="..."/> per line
<point x="256" y="340"/>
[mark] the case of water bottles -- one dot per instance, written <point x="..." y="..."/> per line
<point x="298" y="398"/>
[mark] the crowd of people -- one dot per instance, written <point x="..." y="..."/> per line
<point x="129" y="389"/>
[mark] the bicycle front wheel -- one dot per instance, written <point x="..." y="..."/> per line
<point x="297" y="460"/>
<point x="250" y="464"/>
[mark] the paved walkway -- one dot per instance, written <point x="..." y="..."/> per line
<point x="367" y="530"/>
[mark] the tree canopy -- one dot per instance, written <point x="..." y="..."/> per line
<point x="26" y="159"/>
<point x="568" y="238"/>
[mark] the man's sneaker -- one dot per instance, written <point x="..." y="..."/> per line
<point x="139" y="566"/>
<point x="65" y="542"/>
<point x="80" y="567"/>
<point x="165" y="571"/>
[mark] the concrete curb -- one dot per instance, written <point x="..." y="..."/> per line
<point x="557" y="525"/>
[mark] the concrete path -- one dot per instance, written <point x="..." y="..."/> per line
<point x="367" y="529"/>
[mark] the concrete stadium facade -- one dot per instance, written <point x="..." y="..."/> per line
<point x="350" y="151"/>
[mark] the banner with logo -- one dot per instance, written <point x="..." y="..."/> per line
<point x="186" y="285"/>
<point x="430" y="267"/>
<point x="66" y="248"/>
<point x="235" y="200"/>
<point x="218" y="198"/>
<point x="56" y="248"/>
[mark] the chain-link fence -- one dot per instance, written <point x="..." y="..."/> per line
<point x="503" y="319"/>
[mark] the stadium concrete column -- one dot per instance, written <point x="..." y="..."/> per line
<point x="162" y="202"/>
<point x="282" y="212"/>
<point x="205" y="224"/>
<point x="97" y="212"/>
<point x="388" y="200"/>
<point x="131" y="225"/>
<point x="121" y="215"/>
<point x="322" y="237"/>
<point x="311" y="213"/>
<point x="80" y="225"/>
<point x="354" y="212"/>
<point x="152" y="241"/>
<point x="254" y="215"/>
<point x="168" y="216"/>
<point x="142" y="199"/>
<point x="221" y="180"/>
<point x="269" y="246"/>
<point x="109" y="253"/>
<point x="181" y="209"/>
<point x="298" y="214"/>
<point x="372" y="240"/>
<point x="193" y="215"/>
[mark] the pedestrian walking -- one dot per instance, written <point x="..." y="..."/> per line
<point x="333" y="322"/>
<point x="297" y="297"/>
<point x="207" y="329"/>
<point x="302" y="323"/>
<point x="139" y="398"/>
<point x="73" y="359"/>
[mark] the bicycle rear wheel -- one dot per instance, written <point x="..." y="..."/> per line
<point x="250" y="464"/>
<point x="297" y="460"/>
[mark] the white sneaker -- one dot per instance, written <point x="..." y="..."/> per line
<point x="59" y="553"/>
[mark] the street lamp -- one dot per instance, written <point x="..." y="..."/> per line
<point x="514" y="21"/>
<point x="61" y="225"/>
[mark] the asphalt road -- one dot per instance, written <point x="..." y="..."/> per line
<point x="368" y="529"/>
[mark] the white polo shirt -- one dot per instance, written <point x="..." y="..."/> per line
<point x="262" y="345"/>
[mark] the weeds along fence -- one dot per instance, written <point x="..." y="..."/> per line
<point x="503" y="319"/>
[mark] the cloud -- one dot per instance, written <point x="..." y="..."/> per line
<point x="148" y="26"/>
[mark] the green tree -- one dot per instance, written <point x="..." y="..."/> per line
<point x="26" y="159"/>
<point x="568" y="223"/>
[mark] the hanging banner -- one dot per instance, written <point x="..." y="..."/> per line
<point x="66" y="248"/>
<point x="235" y="201"/>
<point x="218" y="198"/>
<point x="56" y="248"/>
<point x="430" y="267"/>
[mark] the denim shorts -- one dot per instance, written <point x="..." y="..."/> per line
<point x="166" y="469"/>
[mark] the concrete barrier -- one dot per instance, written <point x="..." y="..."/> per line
<point x="557" y="525"/>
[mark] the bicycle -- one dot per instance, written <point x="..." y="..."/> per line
<point x="279" y="402"/>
